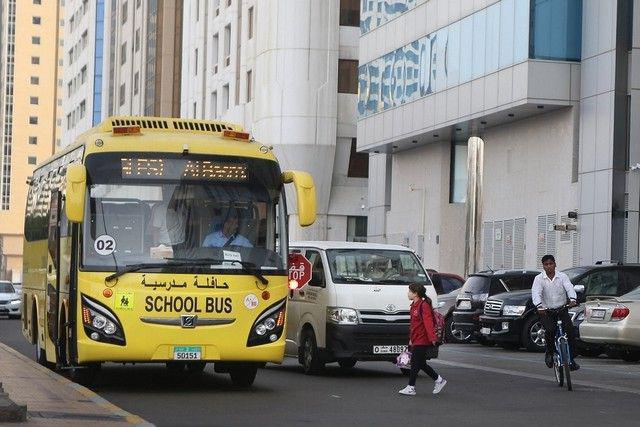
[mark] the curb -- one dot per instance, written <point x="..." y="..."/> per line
<point x="9" y="411"/>
<point x="100" y="401"/>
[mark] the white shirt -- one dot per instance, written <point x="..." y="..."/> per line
<point x="552" y="293"/>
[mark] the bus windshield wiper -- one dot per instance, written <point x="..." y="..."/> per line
<point x="129" y="268"/>
<point x="247" y="266"/>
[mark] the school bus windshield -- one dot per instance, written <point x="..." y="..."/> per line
<point x="156" y="209"/>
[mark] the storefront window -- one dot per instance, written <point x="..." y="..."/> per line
<point x="556" y="29"/>
<point x="458" y="179"/>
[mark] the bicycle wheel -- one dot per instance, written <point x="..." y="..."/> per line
<point x="564" y="350"/>
<point x="557" y="369"/>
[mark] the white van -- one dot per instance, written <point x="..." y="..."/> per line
<point x="355" y="307"/>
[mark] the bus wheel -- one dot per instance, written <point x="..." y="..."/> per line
<point x="243" y="376"/>
<point x="196" y="367"/>
<point x="41" y="355"/>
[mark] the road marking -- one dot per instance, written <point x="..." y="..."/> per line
<point x="591" y="367"/>
<point x="535" y="376"/>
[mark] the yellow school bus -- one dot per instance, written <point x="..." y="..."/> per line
<point x="160" y="240"/>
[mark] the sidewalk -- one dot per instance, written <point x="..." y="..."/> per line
<point x="53" y="400"/>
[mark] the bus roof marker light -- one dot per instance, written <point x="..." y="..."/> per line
<point x="126" y="130"/>
<point x="236" y="135"/>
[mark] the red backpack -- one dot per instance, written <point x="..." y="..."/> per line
<point x="438" y="324"/>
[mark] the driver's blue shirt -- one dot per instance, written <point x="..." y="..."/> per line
<point x="217" y="239"/>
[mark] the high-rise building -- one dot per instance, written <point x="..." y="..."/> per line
<point x="287" y="71"/>
<point x="503" y="129"/>
<point x="28" y="100"/>
<point x="142" y="58"/>
<point x="83" y="50"/>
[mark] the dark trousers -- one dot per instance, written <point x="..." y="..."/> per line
<point x="549" y="320"/>
<point x="419" y="361"/>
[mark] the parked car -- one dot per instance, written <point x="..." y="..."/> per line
<point x="614" y="322"/>
<point x="510" y="319"/>
<point x="355" y="307"/>
<point x="18" y="287"/>
<point x="475" y="292"/>
<point x="448" y="287"/>
<point x="9" y="300"/>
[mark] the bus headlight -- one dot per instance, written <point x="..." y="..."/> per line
<point x="271" y="320"/>
<point x="100" y="323"/>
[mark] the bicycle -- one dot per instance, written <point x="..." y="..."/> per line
<point x="562" y="354"/>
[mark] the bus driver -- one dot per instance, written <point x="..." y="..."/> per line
<point x="226" y="233"/>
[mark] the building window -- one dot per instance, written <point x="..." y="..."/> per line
<point x="356" y="229"/>
<point x="123" y="53"/>
<point x="32" y="160"/>
<point x="228" y="3"/>
<point x="197" y="10"/>
<point x="347" y="76"/>
<point x="458" y="179"/>
<point x="249" y="85"/>
<point x="35" y="60"/>
<point x="138" y="3"/>
<point x="225" y="98"/>
<point x="250" y="23"/>
<point x="556" y="30"/>
<point x="227" y="45"/>
<point x="124" y="13"/>
<point x="35" y="40"/>
<point x="33" y="120"/>
<point x="33" y="100"/>
<point x="214" y="52"/>
<point x="36" y="20"/>
<point x="33" y="140"/>
<point x="195" y="110"/>
<point x="196" y="62"/>
<point x="137" y="40"/>
<point x="83" y="109"/>
<point x="35" y="80"/>
<point x="83" y="74"/>
<point x="350" y="13"/>
<point x="136" y="83"/>
<point x="214" y="104"/>
<point x="37" y="2"/>
<point x="358" y="162"/>
<point x="122" y="94"/>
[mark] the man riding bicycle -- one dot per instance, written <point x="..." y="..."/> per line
<point x="550" y="292"/>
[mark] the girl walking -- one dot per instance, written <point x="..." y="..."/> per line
<point x="422" y="339"/>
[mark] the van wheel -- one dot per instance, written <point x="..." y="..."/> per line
<point x="311" y="362"/>
<point x="533" y="335"/>
<point x="347" y="363"/>
<point x="243" y="376"/>
<point x="631" y="356"/>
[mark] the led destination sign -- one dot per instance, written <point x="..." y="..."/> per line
<point x="208" y="170"/>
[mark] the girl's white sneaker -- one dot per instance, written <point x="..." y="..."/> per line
<point x="408" y="391"/>
<point x="439" y="385"/>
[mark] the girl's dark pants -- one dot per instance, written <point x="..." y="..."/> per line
<point x="419" y="361"/>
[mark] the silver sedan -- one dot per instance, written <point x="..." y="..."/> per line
<point x="615" y="322"/>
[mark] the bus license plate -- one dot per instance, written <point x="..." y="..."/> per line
<point x="187" y="353"/>
<point x="389" y="349"/>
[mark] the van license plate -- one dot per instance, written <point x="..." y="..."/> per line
<point x="485" y="331"/>
<point x="389" y="349"/>
<point x="187" y="353"/>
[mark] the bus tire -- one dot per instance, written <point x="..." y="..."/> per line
<point x="243" y="376"/>
<point x="41" y="355"/>
<point x="312" y="364"/>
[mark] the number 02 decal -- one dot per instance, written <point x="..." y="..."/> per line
<point x="104" y="245"/>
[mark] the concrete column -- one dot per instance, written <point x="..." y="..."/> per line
<point x="379" y="197"/>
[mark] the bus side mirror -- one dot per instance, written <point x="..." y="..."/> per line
<point x="75" y="192"/>
<point x="305" y="194"/>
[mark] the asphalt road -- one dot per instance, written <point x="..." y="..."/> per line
<point x="487" y="386"/>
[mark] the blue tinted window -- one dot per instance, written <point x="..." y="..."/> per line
<point x="556" y="29"/>
<point x="453" y="55"/>
<point x="492" y="39"/>
<point x="479" y="37"/>
<point x="507" y="10"/>
<point x="466" y="42"/>
<point x="521" y="34"/>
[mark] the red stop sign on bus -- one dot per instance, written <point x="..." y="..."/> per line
<point x="299" y="270"/>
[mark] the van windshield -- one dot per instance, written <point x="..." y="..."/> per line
<point x="375" y="266"/>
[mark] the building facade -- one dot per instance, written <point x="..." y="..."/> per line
<point x="287" y="71"/>
<point x="83" y="49"/>
<point x="28" y="127"/>
<point x="142" y="58"/>
<point x="501" y="130"/>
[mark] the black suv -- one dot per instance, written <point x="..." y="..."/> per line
<point x="475" y="291"/>
<point x="511" y="320"/>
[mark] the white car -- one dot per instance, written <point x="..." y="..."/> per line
<point x="10" y="304"/>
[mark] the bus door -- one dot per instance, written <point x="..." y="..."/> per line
<point x="53" y="271"/>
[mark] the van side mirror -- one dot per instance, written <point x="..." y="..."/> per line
<point x="305" y="195"/>
<point x="579" y="289"/>
<point x="75" y="192"/>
